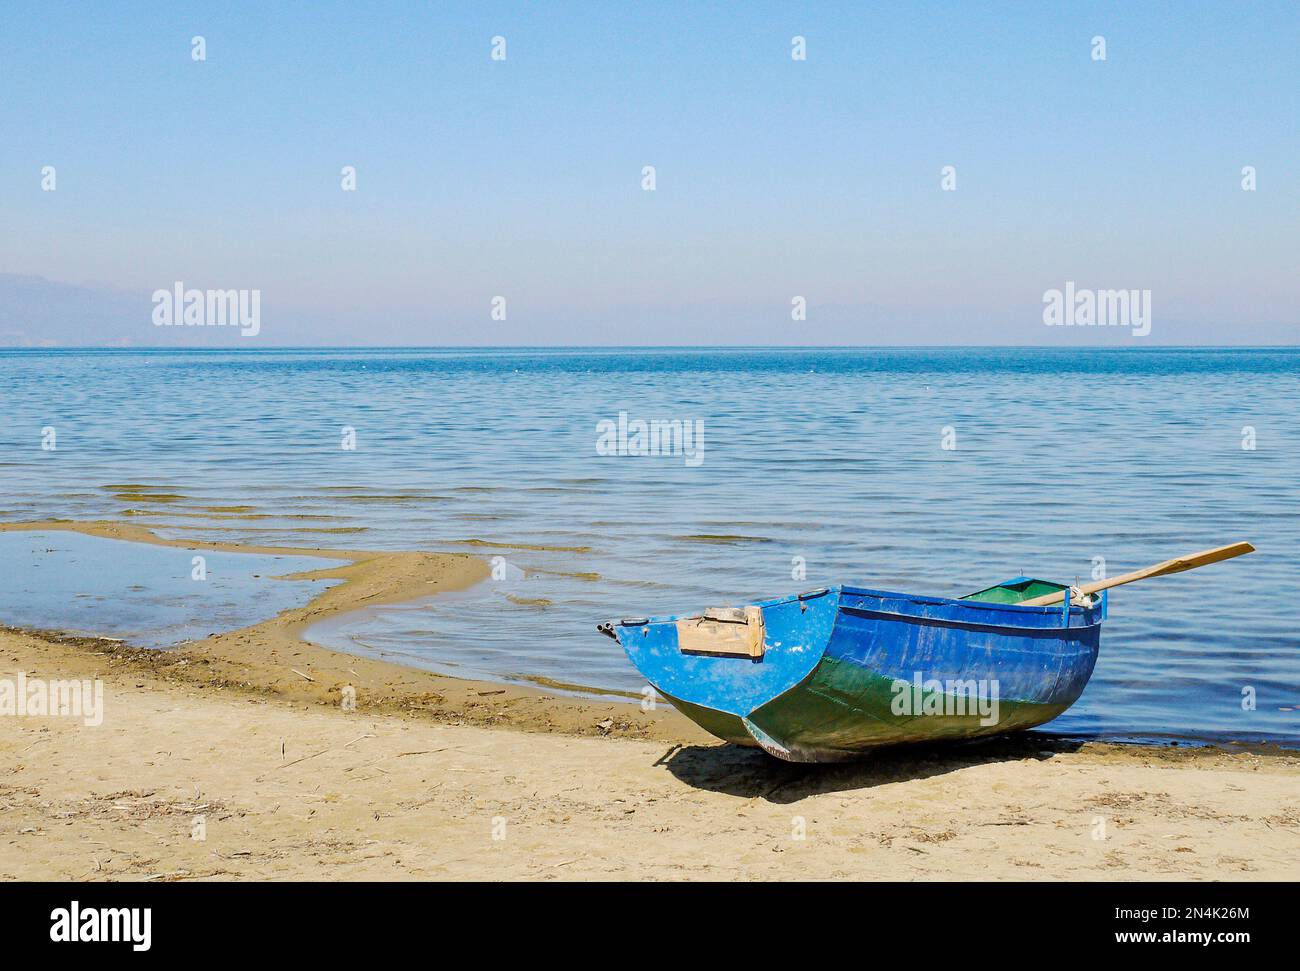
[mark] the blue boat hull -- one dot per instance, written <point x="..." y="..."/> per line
<point x="846" y="670"/>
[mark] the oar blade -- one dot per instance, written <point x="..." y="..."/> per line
<point x="1204" y="559"/>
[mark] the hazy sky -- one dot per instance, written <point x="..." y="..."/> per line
<point x="775" y="177"/>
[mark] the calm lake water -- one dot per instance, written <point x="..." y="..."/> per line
<point x="818" y="466"/>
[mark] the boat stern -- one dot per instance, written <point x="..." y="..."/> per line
<point x="721" y="664"/>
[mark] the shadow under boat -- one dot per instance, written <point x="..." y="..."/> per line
<point x="749" y="773"/>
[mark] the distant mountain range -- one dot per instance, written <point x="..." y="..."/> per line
<point x="37" y="312"/>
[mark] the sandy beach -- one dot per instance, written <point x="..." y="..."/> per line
<point x="235" y="757"/>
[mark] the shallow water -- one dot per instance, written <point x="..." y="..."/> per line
<point x="831" y="456"/>
<point x="145" y="594"/>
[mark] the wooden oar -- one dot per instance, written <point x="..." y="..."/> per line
<point x="1203" y="558"/>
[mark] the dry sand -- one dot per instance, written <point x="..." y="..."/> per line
<point x="437" y="778"/>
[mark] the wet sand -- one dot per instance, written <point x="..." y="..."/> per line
<point x="435" y="777"/>
<point x="271" y="658"/>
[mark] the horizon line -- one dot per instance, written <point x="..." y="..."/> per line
<point x="646" y="347"/>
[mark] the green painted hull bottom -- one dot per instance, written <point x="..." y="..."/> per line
<point x="841" y="710"/>
<point x="730" y="728"/>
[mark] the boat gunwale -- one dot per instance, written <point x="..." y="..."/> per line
<point x="839" y="590"/>
<point x="976" y="625"/>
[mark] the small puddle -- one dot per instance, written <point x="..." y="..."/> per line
<point x="145" y="594"/>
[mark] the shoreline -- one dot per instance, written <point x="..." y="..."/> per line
<point x="271" y="658"/>
<point x="435" y="777"/>
<point x="252" y="658"/>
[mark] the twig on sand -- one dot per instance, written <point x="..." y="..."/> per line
<point x="286" y="765"/>
<point x="301" y="675"/>
<point x="398" y="755"/>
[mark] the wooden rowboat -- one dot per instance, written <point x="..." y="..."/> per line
<point x="830" y="674"/>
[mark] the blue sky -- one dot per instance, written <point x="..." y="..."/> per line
<point x="775" y="177"/>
